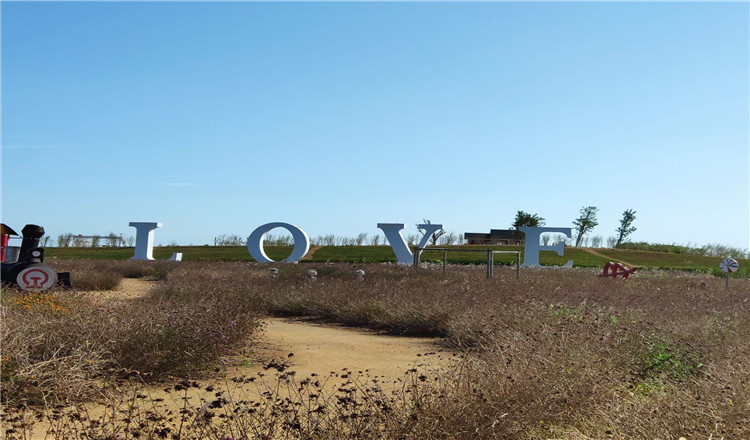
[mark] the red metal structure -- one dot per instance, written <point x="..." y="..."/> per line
<point x="617" y="269"/>
<point x="5" y="233"/>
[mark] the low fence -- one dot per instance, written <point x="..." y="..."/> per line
<point x="490" y="257"/>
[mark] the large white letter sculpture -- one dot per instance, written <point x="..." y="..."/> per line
<point x="144" y="239"/>
<point x="531" y="251"/>
<point x="392" y="232"/>
<point x="255" y="243"/>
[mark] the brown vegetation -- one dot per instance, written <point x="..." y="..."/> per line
<point x="558" y="353"/>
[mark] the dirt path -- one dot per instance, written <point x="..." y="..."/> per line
<point x="593" y="252"/>
<point x="317" y="347"/>
<point x="132" y="287"/>
<point x="323" y="348"/>
<point x="329" y="353"/>
<point x="311" y="252"/>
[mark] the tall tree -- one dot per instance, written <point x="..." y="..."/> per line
<point x="626" y="227"/>
<point x="585" y="223"/>
<point x="525" y="219"/>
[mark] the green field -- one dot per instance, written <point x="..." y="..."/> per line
<point x="381" y="254"/>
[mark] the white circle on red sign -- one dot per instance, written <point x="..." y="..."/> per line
<point x="36" y="278"/>
<point x="729" y="265"/>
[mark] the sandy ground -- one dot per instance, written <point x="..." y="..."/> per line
<point x="311" y="347"/>
<point x="133" y="287"/>
<point x="332" y="353"/>
<point x="323" y="348"/>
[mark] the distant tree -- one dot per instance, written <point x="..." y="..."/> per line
<point x="560" y="238"/>
<point x="412" y="239"/>
<point x="596" y="241"/>
<point x="79" y="241"/>
<point x="327" y="240"/>
<point x="449" y="239"/>
<point x="229" y="240"/>
<point x="585" y="223"/>
<point x="626" y="227"/>
<point x="527" y="220"/>
<point x="360" y="239"/>
<point x="112" y="239"/>
<point x="546" y="239"/>
<point x="435" y="235"/>
<point x="45" y="241"/>
<point x="278" y="240"/>
<point x="611" y="241"/>
<point x="64" y="240"/>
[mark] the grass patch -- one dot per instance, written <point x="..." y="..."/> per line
<point x="663" y="360"/>
<point x="189" y="253"/>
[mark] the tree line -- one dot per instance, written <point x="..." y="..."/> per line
<point x="582" y="225"/>
<point x="71" y="240"/>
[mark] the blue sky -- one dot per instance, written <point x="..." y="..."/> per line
<point x="215" y="118"/>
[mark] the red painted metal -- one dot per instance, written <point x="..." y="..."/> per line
<point x="617" y="269"/>
<point x="3" y="245"/>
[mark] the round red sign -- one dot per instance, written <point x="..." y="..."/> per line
<point x="36" y="278"/>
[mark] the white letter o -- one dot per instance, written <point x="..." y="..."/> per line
<point x="255" y="243"/>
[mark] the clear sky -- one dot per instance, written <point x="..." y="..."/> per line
<point x="215" y="118"/>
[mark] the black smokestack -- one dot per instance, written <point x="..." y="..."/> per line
<point x="31" y="235"/>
